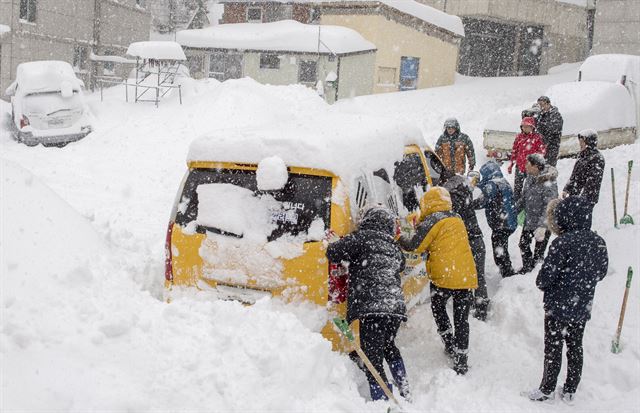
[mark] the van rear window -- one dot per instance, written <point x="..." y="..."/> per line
<point x="303" y="200"/>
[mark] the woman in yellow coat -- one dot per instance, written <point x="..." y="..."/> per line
<point x="442" y="235"/>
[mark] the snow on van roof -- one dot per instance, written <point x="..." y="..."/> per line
<point x="595" y="105"/>
<point x="410" y="7"/>
<point x="156" y="50"/>
<point x="611" y="67"/>
<point x="285" y="35"/>
<point x="343" y="145"/>
<point x="43" y="76"/>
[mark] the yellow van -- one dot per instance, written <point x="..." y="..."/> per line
<point x="237" y="241"/>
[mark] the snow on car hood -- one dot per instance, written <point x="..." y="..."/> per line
<point x="583" y="105"/>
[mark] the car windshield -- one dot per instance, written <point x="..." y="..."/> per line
<point x="50" y="103"/>
<point x="227" y="202"/>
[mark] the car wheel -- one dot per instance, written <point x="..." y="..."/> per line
<point x="28" y="143"/>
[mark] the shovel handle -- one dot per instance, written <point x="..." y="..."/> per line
<point x="624" y="304"/>
<point x="626" y="197"/>
<point x="613" y="194"/>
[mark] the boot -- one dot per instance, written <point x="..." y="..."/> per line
<point x="399" y="374"/>
<point x="377" y="393"/>
<point x="447" y="339"/>
<point x="460" y="362"/>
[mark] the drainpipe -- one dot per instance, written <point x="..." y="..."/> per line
<point x="96" y="41"/>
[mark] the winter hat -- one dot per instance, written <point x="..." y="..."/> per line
<point x="590" y="137"/>
<point x="452" y="123"/>
<point x="537" y="160"/>
<point x="378" y="218"/>
<point x="544" y="99"/>
<point x="436" y="199"/>
<point x="528" y="121"/>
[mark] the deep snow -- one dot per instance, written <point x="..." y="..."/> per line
<point x="84" y="326"/>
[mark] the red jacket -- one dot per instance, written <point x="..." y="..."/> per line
<point x="525" y="145"/>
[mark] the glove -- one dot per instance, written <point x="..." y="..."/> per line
<point x="510" y="168"/>
<point x="539" y="234"/>
<point x="521" y="218"/>
<point x="564" y="194"/>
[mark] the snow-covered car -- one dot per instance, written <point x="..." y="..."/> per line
<point x="605" y="99"/>
<point x="253" y="212"/>
<point x="48" y="104"/>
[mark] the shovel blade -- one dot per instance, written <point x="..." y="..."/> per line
<point x="626" y="220"/>
<point x="615" y="346"/>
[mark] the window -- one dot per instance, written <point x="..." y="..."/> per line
<point x="386" y="76"/>
<point x="141" y="3"/>
<point x="308" y="72"/>
<point x="254" y="15"/>
<point x="108" y="68"/>
<point x="80" y="56"/>
<point x="195" y="65"/>
<point x="269" y="61"/>
<point x="28" y="10"/>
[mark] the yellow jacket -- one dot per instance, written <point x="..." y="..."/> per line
<point x="442" y="234"/>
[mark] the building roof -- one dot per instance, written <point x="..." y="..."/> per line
<point x="285" y="35"/>
<point x="156" y="50"/>
<point x="412" y="8"/>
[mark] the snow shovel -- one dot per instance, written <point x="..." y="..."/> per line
<point x="613" y="193"/>
<point x="343" y="326"/>
<point x="615" y="343"/>
<point x="626" y="218"/>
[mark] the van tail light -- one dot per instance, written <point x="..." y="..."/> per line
<point x="168" y="269"/>
<point x="24" y="121"/>
<point x="338" y="276"/>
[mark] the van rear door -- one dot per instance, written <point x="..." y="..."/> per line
<point x="227" y="232"/>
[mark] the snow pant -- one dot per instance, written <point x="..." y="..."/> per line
<point x="518" y="183"/>
<point x="557" y="332"/>
<point x="553" y="148"/>
<point x="458" y="340"/>
<point x="500" y="244"/>
<point x="530" y="260"/>
<point x="377" y="339"/>
<point x="481" y="298"/>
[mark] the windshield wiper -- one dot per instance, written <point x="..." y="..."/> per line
<point x="59" y="110"/>
<point x="201" y="229"/>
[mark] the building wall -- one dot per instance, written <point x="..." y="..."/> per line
<point x="565" y="25"/>
<point x="61" y="25"/>
<point x="356" y="75"/>
<point x="617" y="27"/>
<point x="438" y="58"/>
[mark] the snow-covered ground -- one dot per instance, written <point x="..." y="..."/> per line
<point x="84" y="326"/>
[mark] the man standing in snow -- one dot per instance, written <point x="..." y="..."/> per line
<point x="550" y="127"/>
<point x="374" y="294"/>
<point x="455" y="148"/>
<point x="539" y="189"/>
<point x="462" y="197"/>
<point x="577" y="261"/>
<point x="586" y="177"/>
<point x="497" y="202"/>
<point x="441" y="233"/>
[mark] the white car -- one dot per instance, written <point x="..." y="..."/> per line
<point x="605" y="99"/>
<point x="48" y="105"/>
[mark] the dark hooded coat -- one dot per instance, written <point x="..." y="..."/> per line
<point x="586" y="178"/>
<point x="496" y="199"/>
<point x="461" y="198"/>
<point x="537" y="192"/>
<point x="375" y="263"/>
<point x="576" y="262"/>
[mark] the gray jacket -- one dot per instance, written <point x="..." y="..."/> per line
<point x="536" y="194"/>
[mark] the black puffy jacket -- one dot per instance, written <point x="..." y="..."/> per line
<point x="550" y="126"/>
<point x="586" y="177"/>
<point x="375" y="263"/>
<point x="576" y="262"/>
<point x="462" y="200"/>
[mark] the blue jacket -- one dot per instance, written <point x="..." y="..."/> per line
<point x="576" y="262"/>
<point x="496" y="198"/>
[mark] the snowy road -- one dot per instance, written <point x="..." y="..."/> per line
<point x="84" y="327"/>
